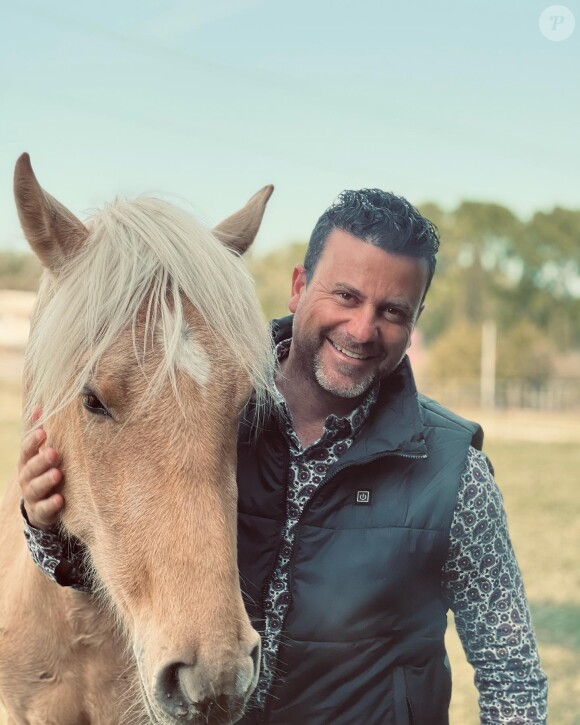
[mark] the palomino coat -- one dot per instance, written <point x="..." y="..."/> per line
<point x="363" y="640"/>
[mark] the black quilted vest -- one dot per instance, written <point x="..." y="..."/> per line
<point x="363" y="641"/>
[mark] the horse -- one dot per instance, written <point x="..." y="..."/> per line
<point x="147" y="341"/>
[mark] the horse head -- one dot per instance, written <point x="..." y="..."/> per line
<point x="146" y="343"/>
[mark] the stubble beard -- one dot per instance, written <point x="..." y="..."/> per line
<point x="353" y="390"/>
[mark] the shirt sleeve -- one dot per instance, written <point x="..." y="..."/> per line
<point x="483" y="585"/>
<point x="62" y="558"/>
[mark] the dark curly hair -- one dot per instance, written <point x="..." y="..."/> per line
<point x="379" y="218"/>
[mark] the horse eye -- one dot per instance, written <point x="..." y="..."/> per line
<point x="93" y="404"/>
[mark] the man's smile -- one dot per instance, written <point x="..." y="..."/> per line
<point x="349" y="353"/>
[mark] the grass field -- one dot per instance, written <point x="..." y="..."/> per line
<point x="540" y="483"/>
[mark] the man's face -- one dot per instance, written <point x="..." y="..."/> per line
<point x="353" y="321"/>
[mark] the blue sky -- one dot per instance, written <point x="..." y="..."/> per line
<point x="205" y="102"/>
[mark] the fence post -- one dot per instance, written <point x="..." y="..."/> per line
<point x="488" y="364"/>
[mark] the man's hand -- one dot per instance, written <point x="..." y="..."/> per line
<point x="38" y="476"/>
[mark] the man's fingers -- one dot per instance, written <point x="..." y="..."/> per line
<point x="46" y="512"/>
<point x="40" y="487"/>
<point x="38" y="475"/>
<point x="31" y="445"/>
<point x="38" y="465"/>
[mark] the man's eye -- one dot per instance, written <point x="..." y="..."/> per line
<point x="93" y="404"/>
<point x="346" y="296"/>
<point x="393" y="313"/>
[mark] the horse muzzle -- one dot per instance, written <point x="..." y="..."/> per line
<point x="209" y="691"/>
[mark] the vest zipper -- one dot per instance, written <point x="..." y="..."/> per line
<point x="385" y="454"/>
<point x="262" y="715"/>
<point x="273" y="569"/>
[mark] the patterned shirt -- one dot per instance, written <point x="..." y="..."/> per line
<point x="480" y="580"/>
<point x="308" y="468"/>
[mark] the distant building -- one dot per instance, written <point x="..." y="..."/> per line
<point x="15" y="311"/>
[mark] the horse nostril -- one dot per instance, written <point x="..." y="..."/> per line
<point x="255" y="655"/>
<point x="171" y="692"/>
<point x="170" y="695"/>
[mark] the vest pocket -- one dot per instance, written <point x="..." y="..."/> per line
<point x="403" y="711"/>
<point x="422" y="694"/>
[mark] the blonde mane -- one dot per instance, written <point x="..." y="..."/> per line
<point x="144" y="254"/>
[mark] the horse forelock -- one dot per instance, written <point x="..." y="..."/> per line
<point x="142" y="262"/>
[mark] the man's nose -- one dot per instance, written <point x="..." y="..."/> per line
<point x="363" y="325"/>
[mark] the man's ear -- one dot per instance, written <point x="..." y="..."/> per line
<point x="298" y="286"/>
<point x="410" y="342"/>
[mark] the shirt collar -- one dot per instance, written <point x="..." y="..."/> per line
<point x="335" y="427"/>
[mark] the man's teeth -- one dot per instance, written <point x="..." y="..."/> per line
<point x="354" y="355"/>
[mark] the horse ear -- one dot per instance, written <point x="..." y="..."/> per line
<point x="53" y="232"/>
<point x="239" y="230"/>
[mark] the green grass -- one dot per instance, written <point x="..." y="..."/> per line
<point x="539" y="482"/>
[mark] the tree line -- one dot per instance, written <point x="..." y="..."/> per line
<point x="524" y="275"/>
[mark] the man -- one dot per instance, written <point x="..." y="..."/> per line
<point x="365" y="509"/>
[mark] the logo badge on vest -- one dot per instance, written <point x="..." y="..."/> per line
<point x="363" y="497"/>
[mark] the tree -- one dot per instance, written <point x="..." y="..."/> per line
<point x="273" y="274"/>
<point x="549" y="288"/>
<point x="19" y="271"/>
<point x="474" y="268"/>
<point x="523" y="353"/>
<point x="456" y="353"/>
